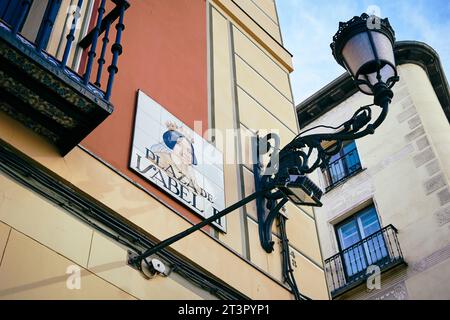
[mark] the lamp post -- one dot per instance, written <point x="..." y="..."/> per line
<point x="364" y="46"/>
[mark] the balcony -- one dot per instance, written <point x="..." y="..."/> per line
<point x="43" y="92"/>
<point x="342" y="167"/>
<point x="347" y="269"/>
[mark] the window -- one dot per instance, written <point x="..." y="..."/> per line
<point x="342" y="165"/>
<point x="360" y="242"/>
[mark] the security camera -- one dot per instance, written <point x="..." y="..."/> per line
<point x="152" y="267"/>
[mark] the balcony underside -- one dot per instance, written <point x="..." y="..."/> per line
<point x="50" y="99"/>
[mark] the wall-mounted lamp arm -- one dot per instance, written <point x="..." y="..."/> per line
<point x="358" y="126"/>
<point x="136" y="260"/>
<point x="266" y="226"/>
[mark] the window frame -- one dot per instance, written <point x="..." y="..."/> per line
<point x="355" y="216"/>
<point x="326" y="172"/>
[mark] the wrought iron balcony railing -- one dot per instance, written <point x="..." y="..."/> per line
<point x="341" y="169"/>
<point x="43" y="92"/>
<point x="348" y="268"/>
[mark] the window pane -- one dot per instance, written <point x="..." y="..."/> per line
<point x="355" y="260"/>
<point x="351" y="157"/>
<point x="369" y="221"/>
<point x="376" y="249"/>
<point x="348" y="234"/>
<point x="337" y="171"/>
<point x="349" y="147"/>
<point x="375" y="245"/>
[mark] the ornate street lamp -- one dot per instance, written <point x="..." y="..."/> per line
<point x="364" y="46"/>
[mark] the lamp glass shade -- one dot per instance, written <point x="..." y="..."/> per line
<point x="364" y="46"/>
<point x="364" y="56"/>
<point x="357" y="52"/>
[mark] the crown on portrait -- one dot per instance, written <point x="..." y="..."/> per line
<point x="172" y="125"/>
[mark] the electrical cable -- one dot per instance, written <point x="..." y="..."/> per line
<point x="288" y="271"/>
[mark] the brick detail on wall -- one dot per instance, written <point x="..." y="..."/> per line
<point x="432" y="167"/>
<point x="414" y="122"/>
<point x="405" y="115"/>
<point x="434" y="183"/>
<point x="401" y="93"/>
<point x="416" y="133"/>
<point x="422" y="143"/>
<point x="406" y="103"/>
<point x="444" y="196"/>
<point x="423" y="157"/>
<point x="443" y="215"/>
<point x="396" y="292"/>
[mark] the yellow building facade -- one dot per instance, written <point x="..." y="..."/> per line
<point x="68" y="221"/>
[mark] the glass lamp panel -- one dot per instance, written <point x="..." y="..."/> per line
<point x="299" y="194"/>
<point x="358" y="51"/>
<point x="299" y="197"/>
<point x="383" y="46"/>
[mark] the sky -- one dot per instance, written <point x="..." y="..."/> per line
<point x="308" y="26"/>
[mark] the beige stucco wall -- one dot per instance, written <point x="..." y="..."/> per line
<point x="252" y="93"/>
<point x="39" y="235"/>
<point x="246" y="20"/>
<point x="406" y="176"/>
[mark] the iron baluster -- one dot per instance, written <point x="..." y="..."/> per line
<point x="332" y="276"/>
<point x="400" y="254"/>
<point x="91" y="54"/>
<point x="390" y="250"/>
<point x="379" y="247"/>
<point x="342" y="277"/>
<point x="116" y="50"/>
<point x="101" y="60"/>
<point x="71" y="36"/>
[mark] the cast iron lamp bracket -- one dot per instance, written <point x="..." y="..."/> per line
<point x="364" y="46"/>
<point x="302" y="156"/>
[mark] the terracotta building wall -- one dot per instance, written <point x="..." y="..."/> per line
<point x="164" y="54"/>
